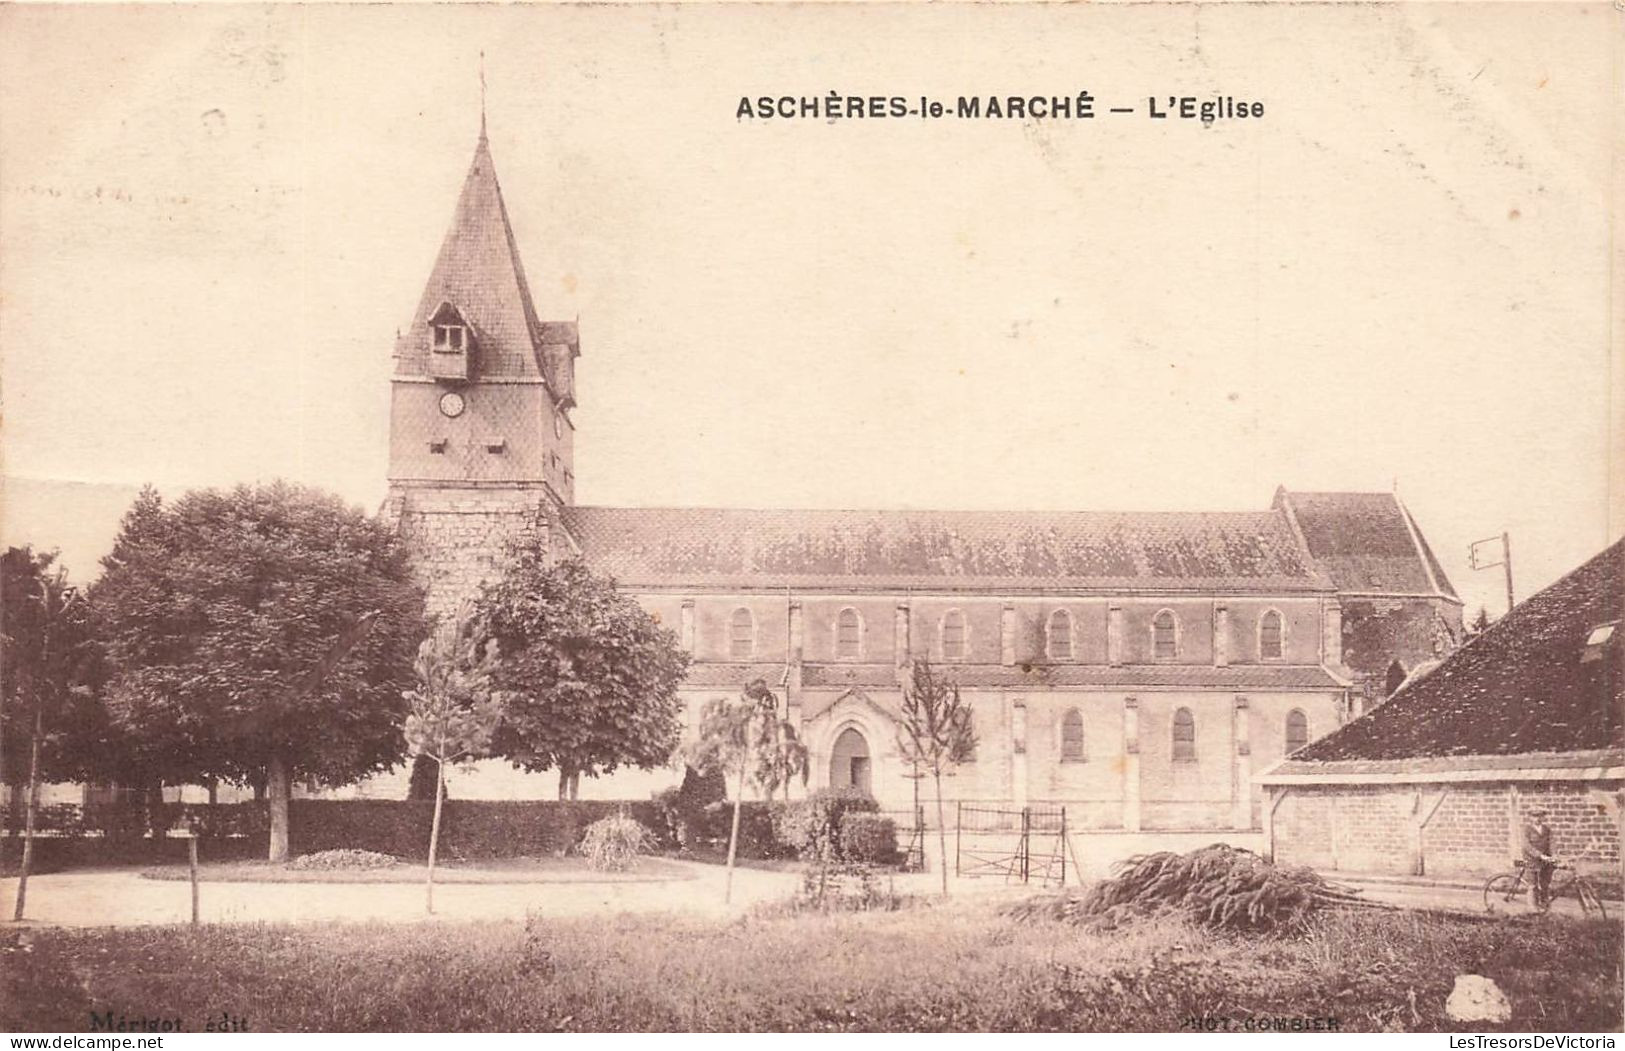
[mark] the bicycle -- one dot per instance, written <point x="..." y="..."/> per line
<point x="1502" y="889"/>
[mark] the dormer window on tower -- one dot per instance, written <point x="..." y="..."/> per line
<point x="451" y="344"/>
<point x="448" y="339"/>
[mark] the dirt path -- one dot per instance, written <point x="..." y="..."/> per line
<point x="1467" y="900"/>
<point x="120" y="897"/>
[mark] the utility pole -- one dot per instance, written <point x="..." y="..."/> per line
<point x="1477" y="561"/>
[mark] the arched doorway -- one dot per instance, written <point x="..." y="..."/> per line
<point x="849" y="762"/>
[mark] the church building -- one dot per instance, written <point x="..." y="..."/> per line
<point x="1139" y="669"/>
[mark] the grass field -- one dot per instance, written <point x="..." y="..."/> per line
<point x="953" y="966"/>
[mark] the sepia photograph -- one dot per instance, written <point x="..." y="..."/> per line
<point x="811" y="517"/>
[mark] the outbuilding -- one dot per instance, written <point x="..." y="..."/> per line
<point x="1438" y="781"/>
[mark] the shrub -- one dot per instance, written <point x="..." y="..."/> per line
<point x="688" y="812"/>
<point x="1219" y="886"/>
<point x="758" y="830"/>
<point x="612" y="844"/>
<point x="868" y="838"/>
<point x="420" y="785"/>
<point x="831" y="885"/>
<point x="343" y="859"/>
<point x="812" y="826"/>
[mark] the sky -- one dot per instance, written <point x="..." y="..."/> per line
<point x="213" y="221"/>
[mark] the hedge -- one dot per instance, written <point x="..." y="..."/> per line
<point x="469" y="828"/>
<point x="125" y="821"/>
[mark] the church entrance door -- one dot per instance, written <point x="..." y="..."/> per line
<point x="849" y="762"/>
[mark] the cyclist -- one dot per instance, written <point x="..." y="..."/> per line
<point x="1537" y="857"/>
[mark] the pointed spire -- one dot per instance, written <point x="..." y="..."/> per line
<point x="478" y="274"/>
<point x="482" y="94"/>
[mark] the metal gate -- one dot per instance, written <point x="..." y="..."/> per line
<point x="1027" y="844"/>
<point x="910" y="837"/>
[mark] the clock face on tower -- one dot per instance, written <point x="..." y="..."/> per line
<point x="451" y="403"/>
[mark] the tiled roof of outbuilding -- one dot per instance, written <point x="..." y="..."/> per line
<point x="1368" y="542"/>
<point x="1520" y="687"/>
<point x="718" y="547"/>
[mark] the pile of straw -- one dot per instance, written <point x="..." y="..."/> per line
<point x="1219" y="887"/>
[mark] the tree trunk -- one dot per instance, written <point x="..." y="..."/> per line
<point x="733" y="837"/>
<point x="8" y="797"/>
<point x="5" y="785"/>
<point x="564" y="783"/>
<point x="152" y="805"/>
<point x="276" y="776"/>
<point x="942" y="836"/>
<point x="33" y="808"/>
<point x="434" y="833"/>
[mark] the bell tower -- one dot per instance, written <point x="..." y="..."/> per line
<point x="480" y="435"/>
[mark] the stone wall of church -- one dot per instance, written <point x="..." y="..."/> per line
<point x="1379" y="631"/>
<point x="459" y="538"/>
<point x="1127" y="774"/>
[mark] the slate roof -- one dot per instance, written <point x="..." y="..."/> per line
<point x="732" y="675"/>
<point x="1520" y="687"/>
<point x="479" y="274"/>
<point x="821" y="675"/>
<point x="1368" y="542"/>
<point x="1172" y="551"/>
<point x="1171" y="676"/>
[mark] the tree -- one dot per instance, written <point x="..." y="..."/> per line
<point x="780" y="755"/>
<point x="259" y="635"/>
<point x="1479" y="623"/>
<point x="454" y="710"/>
<point x="22" y="581"/>
<point x="44" y="653"/>
<point x="935" y="736"/>
<point x="589" y="678"/>
<point x="746" y="738"/>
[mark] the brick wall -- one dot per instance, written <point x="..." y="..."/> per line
<point x="1467" y="829"/>
<point x="1471" y="831"/>
<point x="1584" y="821"/>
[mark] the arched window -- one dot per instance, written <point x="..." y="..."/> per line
<point x="1184" y="736"/>
<point x="1297" y="730"/>
<point x="953" y="635"/>
<point x="1164" y="636"/>
<point x="1072" y="736"/>
<point x="848" y="635"/>
<point x="1058" y="636"/>
<point x="742" y="635"/>
<point x="1271" y="629"/>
